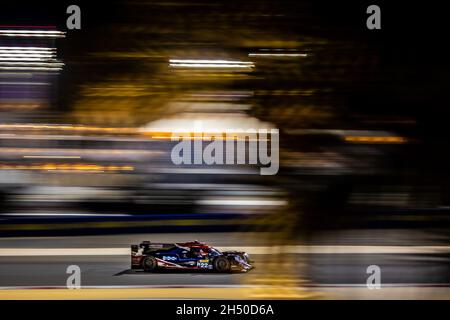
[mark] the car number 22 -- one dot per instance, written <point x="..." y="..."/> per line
<point x="203" y="264"/>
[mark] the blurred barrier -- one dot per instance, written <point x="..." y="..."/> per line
<point x="132" y="223"/>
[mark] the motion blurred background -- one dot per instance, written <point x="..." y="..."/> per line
<point x="86" y="118"/>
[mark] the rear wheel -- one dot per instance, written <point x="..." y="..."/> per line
<point x="149" y="263"/>
<point x="221" y="264"/>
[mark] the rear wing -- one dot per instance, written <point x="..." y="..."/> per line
<point x="147" y="245"/>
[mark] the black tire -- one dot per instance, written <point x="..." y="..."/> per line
<point x="149" y="264"/>
<point x="222" y="264"/>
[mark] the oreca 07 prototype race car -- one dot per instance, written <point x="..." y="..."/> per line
<point x="188" y="256"/>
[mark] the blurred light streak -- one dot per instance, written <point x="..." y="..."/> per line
<point x="32" y="33"/>
<point x="67" y="127"/>
<point x="29" y="62"/>
<point x="241" y="202"/>
<point x="25" y="83"/>
<point x="204" y="136"/>
<point x="4" y="56"/>
<point x="66" y="167"/>
<point x="51" y="157"/>
<point x="369" y="139"/>
<point x="80" y="151"/>
<point x="62" y="214"/>
<point x="31" y="68"/>
<point x="19" y="106"/>
<point x="277" y="54"/>
<point x="29" y="58"/>
<point x="25" y="49"/>
<point x="210" y="63"/>
<point x="209" y="171"/>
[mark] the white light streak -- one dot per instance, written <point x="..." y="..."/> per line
<point x="32" y="33"/>
<point x="190" y="63"/>
<point x="277" y="54"/>
<point x="30" y="68"/>
<point x="28" y="48"/>
<point x="52" y="157"/>
<point x="241" y="202"/>
<point x="29" y="58"/>
<point x="22" y="55"/>
<point x="37" y="64"/>
<point x="21" y="59"/>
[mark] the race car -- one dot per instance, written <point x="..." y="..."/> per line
<point x="193" y="255"/>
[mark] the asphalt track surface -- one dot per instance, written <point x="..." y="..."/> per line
<point x="114" y="271"/>
<point x="400" y="267"/>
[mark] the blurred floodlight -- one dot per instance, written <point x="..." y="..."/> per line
<point x="206" y="122"/>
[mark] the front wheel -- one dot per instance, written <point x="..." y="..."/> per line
<point x="222" y="264"/>
<point x="149" y="264"/>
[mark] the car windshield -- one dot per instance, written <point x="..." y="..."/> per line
<point x="214" y="252"/>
